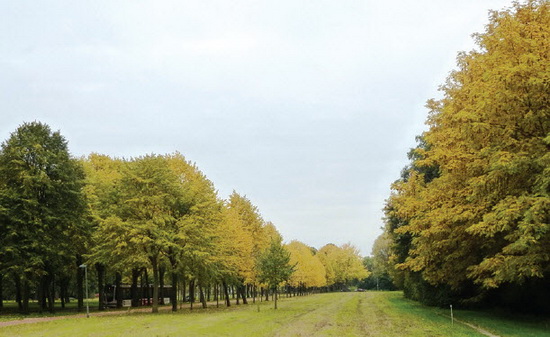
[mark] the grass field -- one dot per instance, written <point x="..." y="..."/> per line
<point x="336" y="314"/>
<point x="10" y="311"/>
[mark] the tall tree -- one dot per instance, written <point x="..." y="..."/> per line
<point x="41" y="204"/>
<point x="251" y="221"/>
<point x="191" y="239"/>
<point x="103" y="176"/>
<point x="483" y="222"/>
<point x="150" y="196"/>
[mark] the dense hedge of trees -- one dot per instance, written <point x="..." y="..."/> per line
<point x="146" y="218"/>
<point x="469" y="219"/>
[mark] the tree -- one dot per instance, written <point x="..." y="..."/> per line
<point x="253" y="224"/>
<point x="274" y="266"/>
<point x="482" y="223"/>
<point x="191" y="242"/>
<point x="234" y="249"/>
<point x="379" y="264"/>
<point x="41" y="207"/>
<point x="343" y="264"/>
<point x="309" y="271"/>
<point x="150" y="196"/>
<point x="102" y="189"/>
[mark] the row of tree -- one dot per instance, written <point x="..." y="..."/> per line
<point x="469" y="220"/>
<point x="146" y="217"/>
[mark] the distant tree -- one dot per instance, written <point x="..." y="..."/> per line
<point x="381" y="251"/>
<point x="274" y="266"/>
<point x="343" y="264"/>
<point x="309" y="271"/>
<point x="379" y="264"/>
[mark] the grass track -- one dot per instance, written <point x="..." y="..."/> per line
<point x="336" y="314"/>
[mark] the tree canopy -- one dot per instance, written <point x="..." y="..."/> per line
<point x="42" y="207"/>
<point x="471" y="213"/>
<point x="142" y="216"/>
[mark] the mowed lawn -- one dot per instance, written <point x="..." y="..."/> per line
<point x="335" y="314"/>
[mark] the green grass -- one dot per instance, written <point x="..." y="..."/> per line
<point x="336" y="314"/>
<point x="507" y="324"/>
<point x="10" y="310"/>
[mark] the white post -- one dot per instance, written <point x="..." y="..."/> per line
<point x="87" y="297"/>
<point x="452" y="317"/>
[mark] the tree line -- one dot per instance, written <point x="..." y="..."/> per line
<point x="469" y="220"/>
<point x="153" y="217"/>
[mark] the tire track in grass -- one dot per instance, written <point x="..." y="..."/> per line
<point x="316" y="320"/>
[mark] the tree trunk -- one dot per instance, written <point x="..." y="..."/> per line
<point x="254" y="293"/>
<point x="275" y="297"/>
<point x="100" y="268"/>
<point x="183" y="290"/>
<point x="134" y="288"/>
<point x="154" y="264"/>
<point x="1" y="292"/>
<point x="161" y="285"/>
<point x="79" y="283"/>
<point x="62" y="294"/>
<point x="118" y="290"/>
<point x="67" y="297"/>
<point x="174" y="293"/>
<point x="25" y="295"/>
<point x="216" y="295"/>
<point x="226" y="293"/>
<point x="50" y="284"/>
<point x="63" y="285"/>
<point x="17" y="281"/>
<point x="267" y="294"/>
<point x="40" y="294"/>
<point x="192" y="293"/>
<point x="145" y="287"/>
<point x="243" y="294"/>
<point x="202" y="298"/>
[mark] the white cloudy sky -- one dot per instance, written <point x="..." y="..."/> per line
<point x="306" y="107"/>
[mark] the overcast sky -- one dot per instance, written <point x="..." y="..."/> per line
<point x="306" y="107"/>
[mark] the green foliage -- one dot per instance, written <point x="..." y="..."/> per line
<point x="380" y="265"/>
<point x="274" y="265"/>
<point x="146" y="215"/>
<point x="41" y="204"/>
